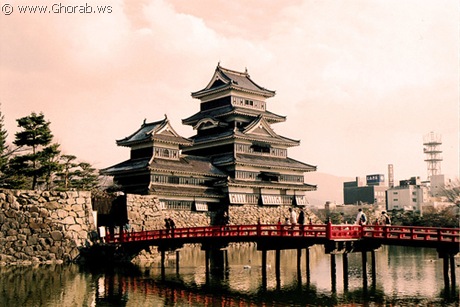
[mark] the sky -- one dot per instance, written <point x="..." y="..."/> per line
<point x="361" y="82"/>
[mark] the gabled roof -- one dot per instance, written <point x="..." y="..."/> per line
<point x="259" y="126"/>
<point x="224" y="79"/>
<point x="257" y="131"/>
<point x="159" y="131"/>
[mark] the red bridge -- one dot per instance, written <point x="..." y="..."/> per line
<point x="301" y="235"/>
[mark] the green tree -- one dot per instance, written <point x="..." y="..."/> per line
<point x="67" y="173"/>
<point x="73" y="175"/>
<point x="49" y="161"/>
<point x="35" y="135"/>
<point x="86" y="177"/>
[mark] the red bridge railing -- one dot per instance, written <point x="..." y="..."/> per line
<point x="324" y="231"/>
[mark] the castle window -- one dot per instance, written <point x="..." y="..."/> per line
<point x="269" y="176"/>
<point x="263" y="148"/>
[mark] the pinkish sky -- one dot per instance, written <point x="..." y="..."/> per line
<point x="361" y="82"/>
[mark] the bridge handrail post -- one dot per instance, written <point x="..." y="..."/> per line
<point x="329" y="230"/>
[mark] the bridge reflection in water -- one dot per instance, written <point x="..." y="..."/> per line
<point x="237" y="286"/>
<point x="336" y="239"/>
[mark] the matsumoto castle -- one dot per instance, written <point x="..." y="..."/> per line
<point x="235" y="157"/>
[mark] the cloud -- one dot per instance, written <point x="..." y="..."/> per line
<point x="359" y="81"/>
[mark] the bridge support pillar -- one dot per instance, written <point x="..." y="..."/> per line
<point x="307" y="264"/>
<point x="445" y="259"/>
<point x="333" y="274"/>
<point x="177" y="262"/>
<point x="452" y="273"/>
<point x="277" y="268"/>
<point x="299" y="266"/>
<point x="162" y="260"/>
<point x="364" y="265"/>
<point x="374" y="274"/>
<point x="264" y="269"/>
<point x="345" y="271"/>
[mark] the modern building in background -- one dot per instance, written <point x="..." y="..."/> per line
<point x="410" y="195"/>
<point x="370" y="191"/>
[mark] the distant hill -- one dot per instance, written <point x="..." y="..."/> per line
<point x="330" y="188"/>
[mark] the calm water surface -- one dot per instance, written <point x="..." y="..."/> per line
<point x="405" y="277"/>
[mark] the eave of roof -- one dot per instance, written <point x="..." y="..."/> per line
<point x="188" y="165"/>
<point x="232" y="110"/>
<point x="263" y="161"/>
<point x="131" y="165"/>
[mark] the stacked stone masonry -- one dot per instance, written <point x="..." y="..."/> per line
<point x="43" y="226"/>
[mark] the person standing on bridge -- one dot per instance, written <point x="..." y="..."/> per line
<point x="293" y="217"/>
<point x="385" y="219"/>
<point x="361" y="218"/>
<point x="172" y="225"/>
<point x="167" y="226"/>
<point x="301" y="219"/>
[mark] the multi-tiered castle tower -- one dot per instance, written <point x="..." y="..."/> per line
<point x="234" y="130"/>
<point x="233" y="137"/>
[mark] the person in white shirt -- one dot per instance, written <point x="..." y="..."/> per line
<point x="361" y="218"/>
<point x="293" y="216"/>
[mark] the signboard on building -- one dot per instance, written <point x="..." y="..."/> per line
<point x="375" y="179"/>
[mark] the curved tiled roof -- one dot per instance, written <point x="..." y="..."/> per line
<point x="130" y="165"/>
<point x="151" y="131"/>
<point x="189" y="165"/>
<point x="231" y="79"/>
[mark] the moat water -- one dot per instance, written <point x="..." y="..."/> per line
<point x="404" y="277"/>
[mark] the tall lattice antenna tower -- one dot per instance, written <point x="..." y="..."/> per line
<point x="432" y="149"/>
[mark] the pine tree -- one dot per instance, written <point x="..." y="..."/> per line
<point x="67" y="173"/>
<point x="36" y="134"/>
<point x="49" y="161"/>
<point x="87" y="177"/>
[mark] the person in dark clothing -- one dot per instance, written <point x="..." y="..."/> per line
<point x="301" y="219"/>
<point x="167" y="226"/>
<point x="172" y="225"/>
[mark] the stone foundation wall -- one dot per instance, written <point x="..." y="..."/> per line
<point x="42" y="226"/>
<point x="251" y="214"/>
<point x="145" y="213"/>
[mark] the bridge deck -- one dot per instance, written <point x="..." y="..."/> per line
<point x="315" y="234"/>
